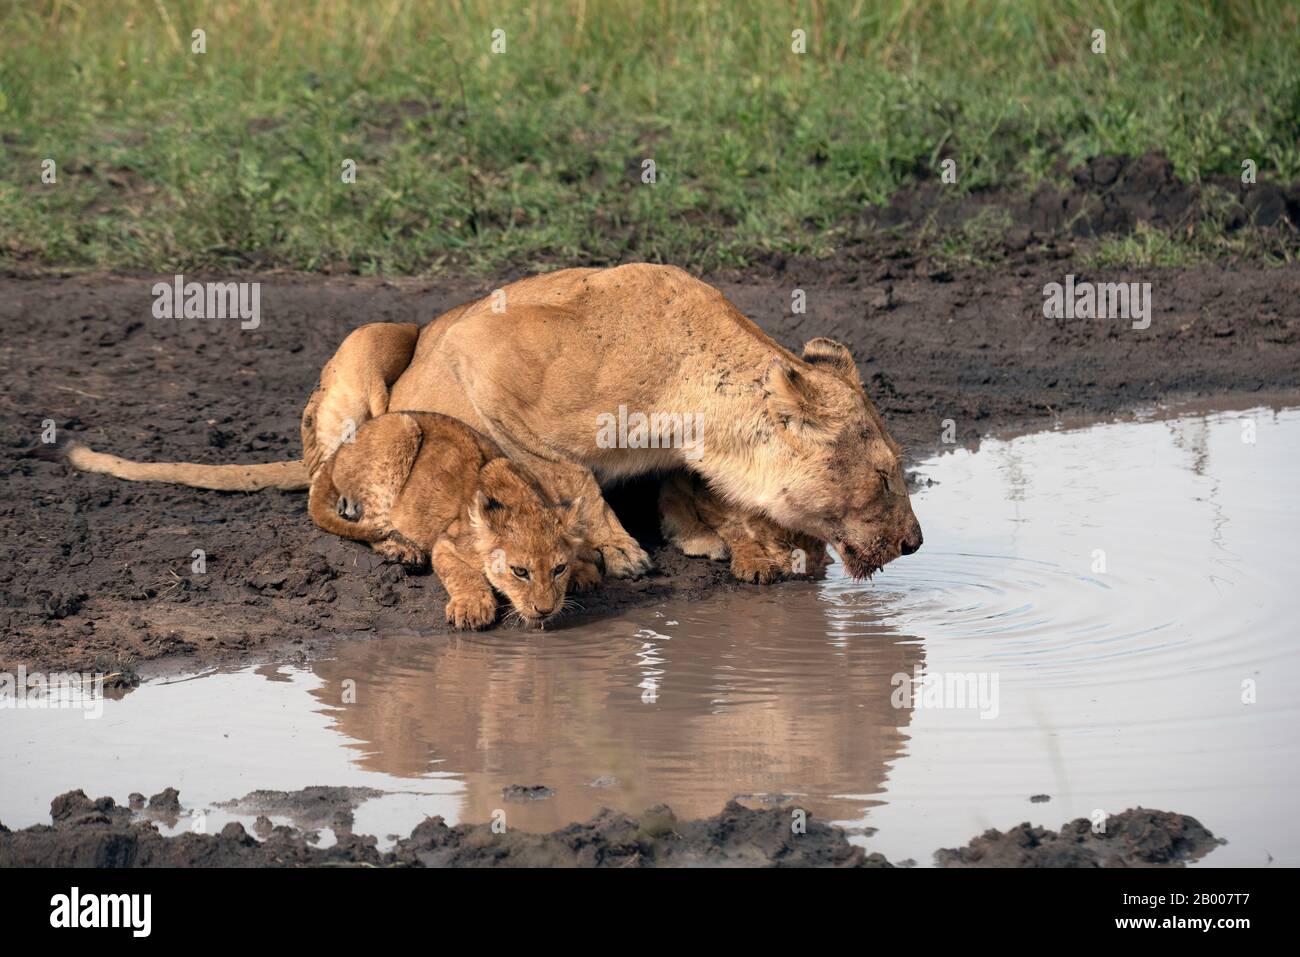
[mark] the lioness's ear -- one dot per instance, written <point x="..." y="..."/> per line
<point x="792" y="400"/>
<point x="832" y="356"/>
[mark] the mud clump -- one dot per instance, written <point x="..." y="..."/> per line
<point x="1133" y="838"/>
<point x="521" y="793"/>
<point x="166" y="801"/>
<point x="736" y="837"/>
<point x="164" y="806"/>
<point x="74" y="809"/>
<point x="309" y="808"/>
<point x="99" y="833"/>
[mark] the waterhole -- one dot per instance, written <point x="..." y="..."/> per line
<point x="1100" y="618"/>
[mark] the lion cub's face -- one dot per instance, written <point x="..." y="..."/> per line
<point x="528" y="549"/>
<point x="846" y="485"/>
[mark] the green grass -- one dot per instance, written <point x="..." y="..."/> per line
<point x="466" y="159"/>
<point x="976" y="242"/>
<point x="1146" y="247"/>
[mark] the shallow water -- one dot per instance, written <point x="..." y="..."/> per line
<point x="1114" y="590"/>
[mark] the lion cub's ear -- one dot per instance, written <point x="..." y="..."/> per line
<point x="834" y="357"/>
<point x="793" y="401"/>
<point x="485" y="513"/>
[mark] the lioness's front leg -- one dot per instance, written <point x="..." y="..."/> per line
<point x="681" y="521"/>
<point x="700" y="523"/>
<point x="762" y="551"/>
<point x="470" y="601"/>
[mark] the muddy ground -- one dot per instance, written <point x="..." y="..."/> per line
<point x="100" y="833"/>
<point x="96" y="574"/>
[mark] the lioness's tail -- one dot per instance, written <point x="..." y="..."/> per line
<point x="290" y="476"/>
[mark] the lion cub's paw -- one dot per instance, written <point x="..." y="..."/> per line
<point x="472" y="611"/>
<point x="624" y="558"/>
<point x="749" y="563"/>
<point x="399" y="551"/>
<point x="584" y="577"/>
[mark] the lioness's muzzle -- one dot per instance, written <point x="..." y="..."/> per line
<point x="912" y="540"/>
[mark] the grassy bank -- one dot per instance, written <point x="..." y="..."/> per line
<point x="535" y="155"/>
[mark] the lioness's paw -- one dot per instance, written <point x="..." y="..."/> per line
<point x="703" y="544"/>
<point x="804" y="559"/>
<point x="625" y="559"/>
<point x="750" y="564"/>
<point x="584" y="577"/>
<point x="477" y="610"/>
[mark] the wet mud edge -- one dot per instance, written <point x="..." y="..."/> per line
<point x="87" y="832"/>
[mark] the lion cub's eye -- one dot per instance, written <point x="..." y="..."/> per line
<point x="558" y="570"/>
<point x="519" y="572"/>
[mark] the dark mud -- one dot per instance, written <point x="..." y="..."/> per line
<point x="99" y="833"/>
<point x="97" y="574"/>
<point x="1104" y="196"/>
<point x="1135" y="838"/>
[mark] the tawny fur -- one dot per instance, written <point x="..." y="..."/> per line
<point x="291" y="476"/>
<point x="759" y="550"/>
<point x="354" y="387"/>
<point x="425" y="488"/>
<point x="794" y="440"/>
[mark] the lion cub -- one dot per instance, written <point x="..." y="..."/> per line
<point x="421" y="486"/>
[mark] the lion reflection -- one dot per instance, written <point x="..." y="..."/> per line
<point x="764" y="695"/>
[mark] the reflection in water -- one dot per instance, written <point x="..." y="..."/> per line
<point x="1193" y="436"/>
<point x="785" y="692"/>
<point x="1070" y="567"/>
<point x="1129" y="587"/>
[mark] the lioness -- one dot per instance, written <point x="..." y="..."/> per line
<point x="422" y="487"/>
<point x="540" y="363"/>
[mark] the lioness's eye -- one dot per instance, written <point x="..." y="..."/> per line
<point x="519" y="572"/>
<point x="558" y="570"/>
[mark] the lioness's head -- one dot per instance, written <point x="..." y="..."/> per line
<point x="840" y="477"/>
<point x="527" y="545"/>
